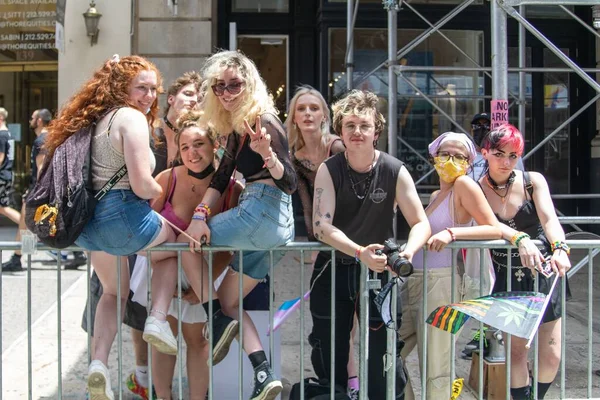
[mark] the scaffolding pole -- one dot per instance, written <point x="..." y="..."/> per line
<point x="350" y="44"/>
<point x="522" y="76"/>
<point x="499" y="65"/>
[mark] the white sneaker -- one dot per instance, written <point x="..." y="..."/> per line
<point x="158" y="334"/>
<point x="99" y="382"/>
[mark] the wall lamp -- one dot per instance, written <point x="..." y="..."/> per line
<point x="92" y="17"/>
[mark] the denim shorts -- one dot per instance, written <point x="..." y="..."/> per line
<point x="263" y="220"/>
<point x="122" y="224"/>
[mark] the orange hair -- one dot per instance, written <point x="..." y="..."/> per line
<point x="107" y="89"/>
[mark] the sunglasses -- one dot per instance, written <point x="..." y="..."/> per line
<point x="233" y="88"/>
<point x="477" y="126"/>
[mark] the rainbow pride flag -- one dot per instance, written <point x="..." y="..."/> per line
<point x="516" y="313"/>
<point x="284" y="311"/>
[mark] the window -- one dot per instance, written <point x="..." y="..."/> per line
<point x="258" y="6"/>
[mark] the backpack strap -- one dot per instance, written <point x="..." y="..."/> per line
<point x="527" y="184"/>
<point x="118" y="175"/>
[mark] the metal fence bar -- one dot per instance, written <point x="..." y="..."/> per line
<point x="148" y="310"/>
<point x="332" y="332"/>
<point x="481" y="332"/>
<point x="210" y="328"/>
<point x="302" y="311"/>
<point x="536" y="350"/>
<point x="29" y="333"/>
<point x="119" y="329"/>
<point x="548" y="2"/>
<point x="425" y="331"/>
<point x="179" y="326"/>
<point x="271" y="305"/>
<point x="563" y="352"/>
<point x="590" y="319"/>
<point x="452" y="336"/>
<point x="363" y="302"/>
<point x="508" y="336"/>
<point x="241" y="331"/>
<point x="59" y="321"/>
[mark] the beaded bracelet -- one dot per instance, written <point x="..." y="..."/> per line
<point x="521" y="237"/>
<point x="199" y="217"/>
<point x="452" y="235"/>
<point x="203" y="208"/>
<point x="357" y="253"/>
<point x="517" y="237"/>
<point x="560" y="245"/>
<point x="267" y="159"/>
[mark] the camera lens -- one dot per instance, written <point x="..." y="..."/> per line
<point x="400" y="265"/>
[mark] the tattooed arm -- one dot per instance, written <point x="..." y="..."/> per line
<point x="326" y="232"/>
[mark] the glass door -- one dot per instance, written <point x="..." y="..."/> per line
<point x="270" y="53"/>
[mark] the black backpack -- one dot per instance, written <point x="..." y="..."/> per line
<point x="63" y="200"/>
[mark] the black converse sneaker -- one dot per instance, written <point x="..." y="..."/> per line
<point x="225" y="329"/>
<point x="266" y="386"/>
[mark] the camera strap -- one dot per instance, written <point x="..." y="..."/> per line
<point x="383" y="303"/>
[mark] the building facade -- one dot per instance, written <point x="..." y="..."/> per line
<point x="297" y="42"/>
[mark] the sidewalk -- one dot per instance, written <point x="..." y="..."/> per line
<point x="287" y="286"/>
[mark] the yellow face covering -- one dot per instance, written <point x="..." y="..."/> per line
<point x="450" y="170"/>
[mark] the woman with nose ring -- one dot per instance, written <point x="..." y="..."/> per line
<point x="522" y="203"/>
<point x="451" y="212"/>
<point x="238" y="106"/>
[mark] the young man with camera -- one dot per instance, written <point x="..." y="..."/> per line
<point x="356" y="194"/>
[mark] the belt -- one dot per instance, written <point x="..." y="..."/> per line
<point x="340" y="260"/>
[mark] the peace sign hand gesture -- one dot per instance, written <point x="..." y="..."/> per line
<point x="260" y="140"/>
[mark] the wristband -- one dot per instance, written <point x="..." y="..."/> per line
<point x="517" y="237"/>
<point x="203" y="208"/>
<point x="200" y="217"/>
<point x="357" y="253"/>
<point x="560" y="245"/>
<point x="451" y="234"/>
<point x="267" y="159"/>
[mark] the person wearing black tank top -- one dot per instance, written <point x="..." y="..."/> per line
<point x="522" y="203"/>
<point x="356" y="194"/>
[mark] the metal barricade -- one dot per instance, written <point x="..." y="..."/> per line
<point x="295" y="346"/>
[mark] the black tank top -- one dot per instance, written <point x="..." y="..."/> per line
<point x="525" y="220"/>
<point x="369" y="220"/>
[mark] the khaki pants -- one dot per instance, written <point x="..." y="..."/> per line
<point x="413" y="324"/>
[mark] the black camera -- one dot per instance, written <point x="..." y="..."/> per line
<point x="399" y="264"/>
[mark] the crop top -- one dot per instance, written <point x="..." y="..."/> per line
<point x="238" y="154"/>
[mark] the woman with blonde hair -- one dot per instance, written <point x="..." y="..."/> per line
<point x="121" y="99"/>
<point x="237" y="105"/>
<point x="311" y="143"/>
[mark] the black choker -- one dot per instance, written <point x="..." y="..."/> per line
<point x="170" y="125"/>
<point x="202" y="174"/>
<point x="511" y="179"/>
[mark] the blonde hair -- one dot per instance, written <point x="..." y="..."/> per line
<point x="294" y="135"/>
<point x="360" y="103"/>
<point x="4" y="113"/>
<point x="192" y="119"/>
<point x="255" y="101"/>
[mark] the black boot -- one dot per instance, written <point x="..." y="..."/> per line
<point x="266" y="385"/>
<point x="225" y="329"/>
<point x="13" y="265"/>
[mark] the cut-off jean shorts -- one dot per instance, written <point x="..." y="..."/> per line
<point x="263" y="220"/>
<point x="122" y="224"/>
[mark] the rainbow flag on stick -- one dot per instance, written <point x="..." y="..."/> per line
<point x="516" y="313"/>
<point x="284" y="311"/>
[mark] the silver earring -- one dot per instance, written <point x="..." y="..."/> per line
<point x="295" y="126"/>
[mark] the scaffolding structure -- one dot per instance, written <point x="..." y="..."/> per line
<point x="500" y="10"/>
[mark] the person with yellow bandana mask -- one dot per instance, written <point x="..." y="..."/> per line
<point x="457" y="211"/>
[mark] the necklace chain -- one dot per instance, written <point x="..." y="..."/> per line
<point x="492" y="185"/>
<point x="368" y="179"/>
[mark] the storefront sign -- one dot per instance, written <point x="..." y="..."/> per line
<point x="27" y="29"/>
<point x="499" y="113"/>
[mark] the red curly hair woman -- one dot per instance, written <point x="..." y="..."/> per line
<point x="121" y="100"/>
